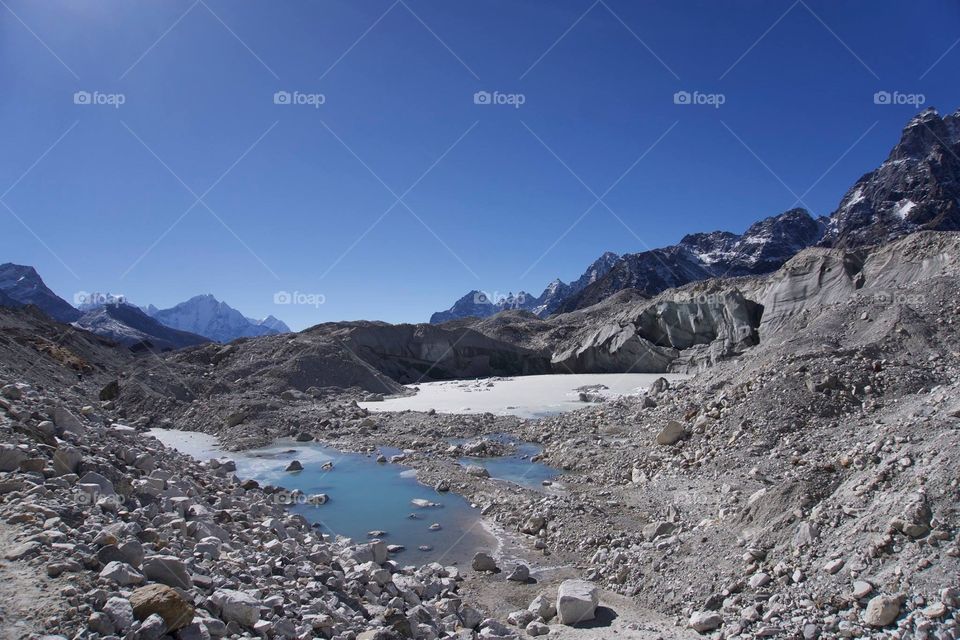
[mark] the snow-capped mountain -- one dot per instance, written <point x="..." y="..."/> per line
<point x="206" y="316"/>
<point x="25" y="286"/>
<point x="479" y="305"/>
<point x="916" y="188"/>
<point x="130" y="326"/>
<point x="764" y="247"/>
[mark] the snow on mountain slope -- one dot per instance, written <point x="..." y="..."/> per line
<point x="206" y="316"/>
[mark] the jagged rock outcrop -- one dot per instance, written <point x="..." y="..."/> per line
<point x="916" y="188"/>
<point x="651" y="336"/>
<point x="23" y="285"/>
<point x="760" y="249"/>
<point x="478" y="304"/>
<point x="411" y="353"/>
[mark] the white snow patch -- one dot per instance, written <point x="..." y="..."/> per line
<point x="904" y="209"/>
<point x="524" y="396"/>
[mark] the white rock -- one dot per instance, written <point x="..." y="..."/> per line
<point x="704" y="621"/>
<point x="237" y="606"/>
<point x="577" y="601"/>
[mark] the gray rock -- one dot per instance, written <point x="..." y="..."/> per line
<point x="577" y="601"/>
<point x="672" y="433"/>
<point x="520" y="574"/>
<point x="237" y="606"/>
<point x="66" y="459"/>
<point x="11" y="457"/>
<point x="121" y="573"/>
<point x="882" y="610"/>
<point x="66" y="421"/>
<point x="483" y="562"/>
<point x="705" y="621"/>
<point x="120" y="613"/>
<point x="168" y="570"/>
<point x="153" y="628"/>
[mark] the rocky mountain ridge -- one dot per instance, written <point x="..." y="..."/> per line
<point x="477" y="304"/>
<point x="916" y="188"/>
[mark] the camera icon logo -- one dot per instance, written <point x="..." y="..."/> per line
<point x="282" y="97"/>
<point x="82" y="97"/>
<point x="882" y="97"/>
<point x="282" y="297"/>
<point x="482" y="97"/>
<point x="682" y="97"/>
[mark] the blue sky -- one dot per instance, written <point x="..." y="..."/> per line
<point x="399" y="193"/>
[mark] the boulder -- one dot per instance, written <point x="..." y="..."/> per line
<point x="66" y="421"/>
<point x="111" y="391"/>
<point x="520" y="574"/>
<point x="237" y="606"/>
<point x="158" y="599"/>
<point x="168" y="570"/>
<point x="120" y="613"/>
<point x="882" y="610"/>
<point x="705" y="621"/>
<point x="577" y="601"/>
<point x="477" y="471"/>
<point x="66" y="459"/>
<point x="294" y="466"/>
<point x="121" y="573"/>
<point x="672" y="433"/>
<point x="483" y="562"/>
<point x="11" y="457"/>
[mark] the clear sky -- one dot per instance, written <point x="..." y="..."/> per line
<point x="399" y="193"/>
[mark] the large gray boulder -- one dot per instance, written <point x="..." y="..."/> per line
<point x="577" y="601"/>
<point x="168" y="570"/>
<point x="237" y="606"/>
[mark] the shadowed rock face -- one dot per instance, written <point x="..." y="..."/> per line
<point x="411" y="353"/>
<point x="650" y="337"/>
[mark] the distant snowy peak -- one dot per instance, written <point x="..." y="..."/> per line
<point x="916" y="188"/>
<point x="273" y="323"/>
<point x="206" y="316"/>
<point x="131" y="327"/>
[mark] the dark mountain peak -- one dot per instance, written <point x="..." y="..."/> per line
<point x="917" y="188"/>
<point x="23" y="284"/>
<point x="130" y="326"/>
<point x="925" y="132"/>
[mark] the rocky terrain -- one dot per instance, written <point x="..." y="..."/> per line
<point x="802" y="485"/>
